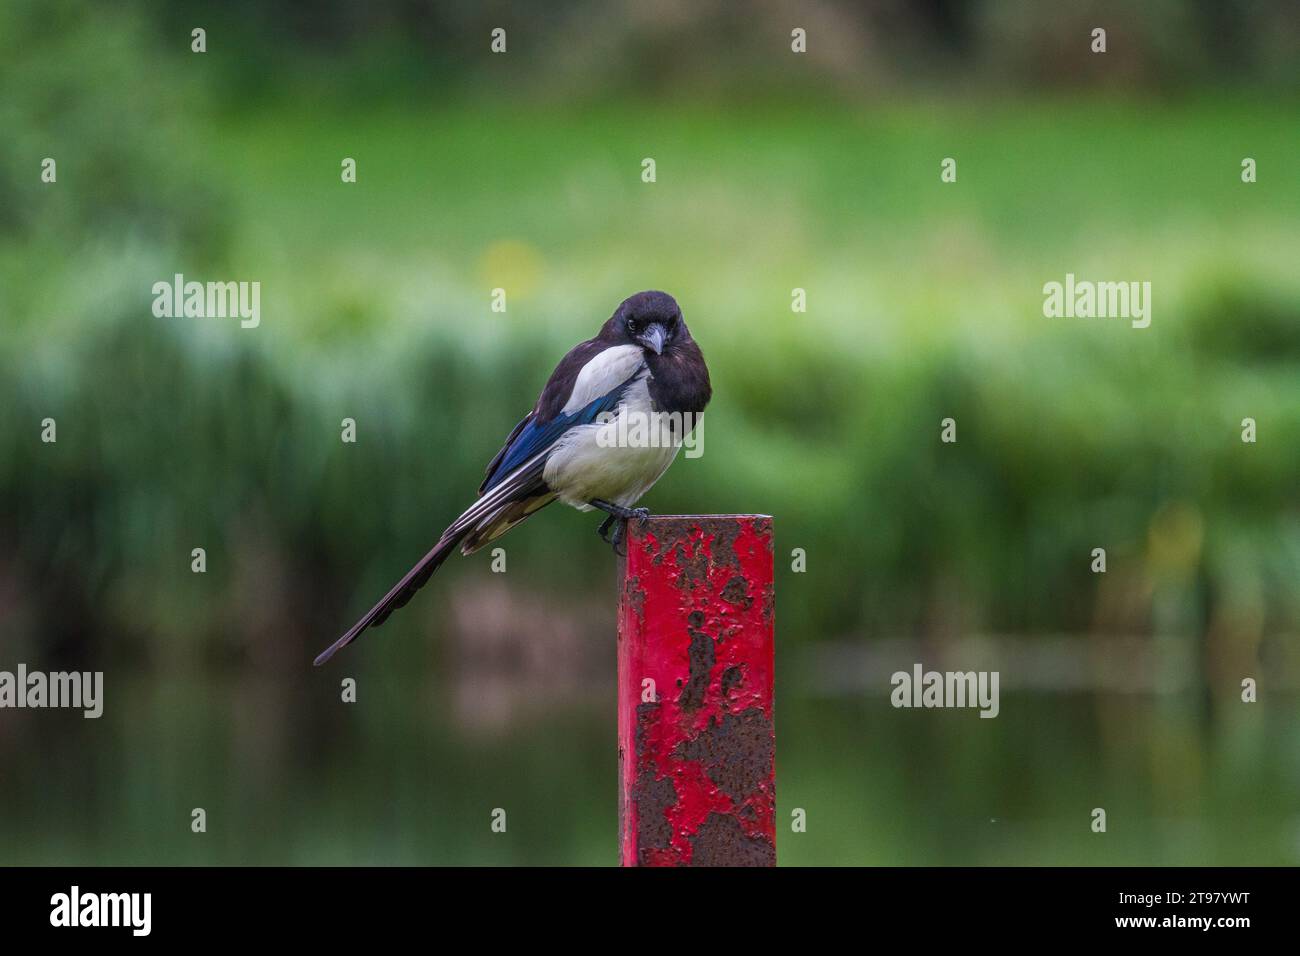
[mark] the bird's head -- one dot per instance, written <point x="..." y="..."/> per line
<point x="651" y="320"/>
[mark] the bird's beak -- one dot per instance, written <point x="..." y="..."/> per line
<point x="653" y="338"/>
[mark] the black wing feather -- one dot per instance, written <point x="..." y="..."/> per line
<point x="514" y="476"/>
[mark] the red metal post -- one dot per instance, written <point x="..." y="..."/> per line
<point x="696" y="739"/>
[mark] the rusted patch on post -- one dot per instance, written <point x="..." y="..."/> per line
<point x="696" y="762"/>
<point x="701" y="657"/>
<point x="721" y="841"/>
<point x="656" y="797"/>
<point x="633" y="594"/>
<point x="737" y="592"/>
<point x="737" y="753"/>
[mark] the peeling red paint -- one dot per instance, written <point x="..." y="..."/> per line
<point x="697" y="775"/>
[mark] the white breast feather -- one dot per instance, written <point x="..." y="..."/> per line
<point x="586" y="464"/>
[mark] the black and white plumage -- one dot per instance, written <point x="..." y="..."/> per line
<point x="643" y="365"/>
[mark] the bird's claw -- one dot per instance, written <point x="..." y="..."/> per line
<point x="613" y="530"/>
<point x="618" y="511"/>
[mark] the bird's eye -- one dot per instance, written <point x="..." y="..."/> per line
<point x="632" y="326"/>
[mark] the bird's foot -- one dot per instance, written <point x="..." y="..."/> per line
<point x="605" y="525"/>
<point x="612" y="530"/>
<point x="617" y="537"/>
<point x="618" y="511"/>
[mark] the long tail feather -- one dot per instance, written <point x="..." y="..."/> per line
<point x="524" y="484"/>
<point x="397" y="597"/>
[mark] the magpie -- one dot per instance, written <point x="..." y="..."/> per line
<point x="608" y="423"/>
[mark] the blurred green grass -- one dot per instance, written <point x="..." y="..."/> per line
<point x="376" y="297"/>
